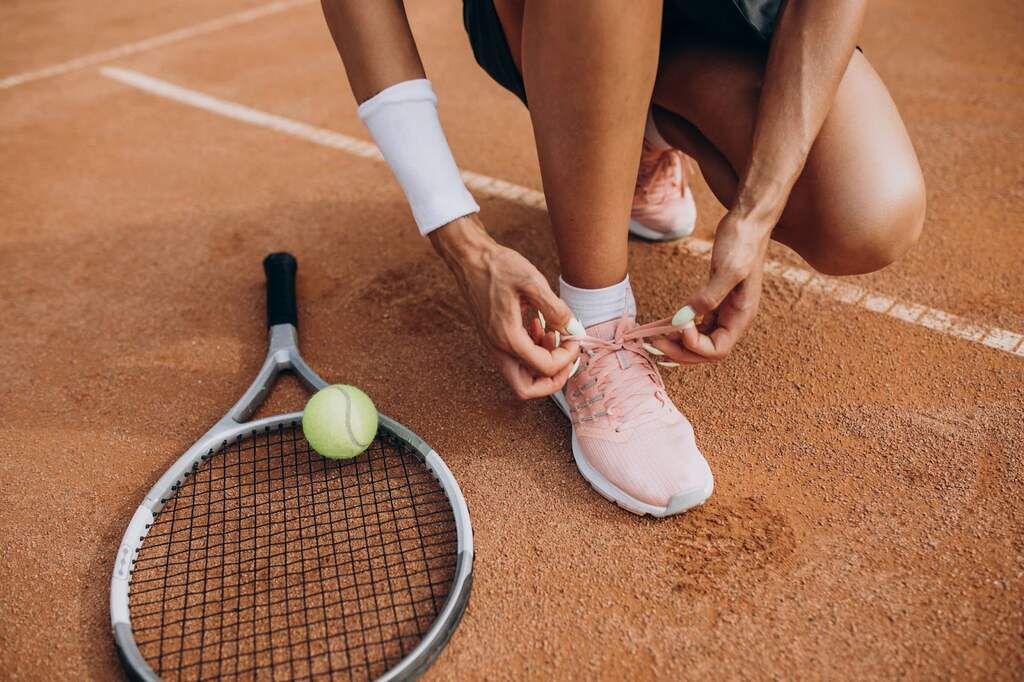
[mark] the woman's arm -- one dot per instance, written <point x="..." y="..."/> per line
<point x="375" y="44"/>
<point x="377" y="47"/>
<point x="810" y="50"/>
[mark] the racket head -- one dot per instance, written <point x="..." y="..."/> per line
<point x="210" y="555"/>
<point x="262" y="559"/>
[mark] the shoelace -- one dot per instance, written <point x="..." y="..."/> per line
<point x="629" y="408"/>
<point x="653" y="167"/>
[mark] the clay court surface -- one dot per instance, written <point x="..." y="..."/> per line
<point x="867" y="441"/>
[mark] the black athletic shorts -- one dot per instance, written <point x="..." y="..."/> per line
<point x="748" y="22"/>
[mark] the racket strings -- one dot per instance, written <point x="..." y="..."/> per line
<point x="271" y="562"/>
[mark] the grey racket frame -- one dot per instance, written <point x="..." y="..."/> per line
<point x="283" y="355"/>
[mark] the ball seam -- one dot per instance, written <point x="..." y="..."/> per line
<point x="348" y="418"/>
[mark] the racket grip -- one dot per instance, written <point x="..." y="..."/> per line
<point x="280" y="269"/>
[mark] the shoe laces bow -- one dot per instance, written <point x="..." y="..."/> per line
<point x="627" y="361"/>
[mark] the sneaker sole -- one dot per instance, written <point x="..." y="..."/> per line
<point x="640" y="230"/>
<point x="679" y="503"/>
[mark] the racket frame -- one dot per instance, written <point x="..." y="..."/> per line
<point x="283" y="355"/>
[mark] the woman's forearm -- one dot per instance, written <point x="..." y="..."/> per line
<point x="810" y="50"/>
<point x="375" y="43"/>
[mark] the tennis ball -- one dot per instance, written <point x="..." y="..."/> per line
<point x="340" y="421"/>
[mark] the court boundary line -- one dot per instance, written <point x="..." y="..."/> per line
<point x="153" y="42"/>
<point x="833" y="288"/>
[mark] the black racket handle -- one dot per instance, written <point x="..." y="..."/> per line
<point x="280" y="269"/>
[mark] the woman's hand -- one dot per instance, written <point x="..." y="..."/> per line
<point x="729" y="301"/>
<point x="498" y="283"/>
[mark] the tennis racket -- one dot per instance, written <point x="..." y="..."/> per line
<point x="254" y="557"/>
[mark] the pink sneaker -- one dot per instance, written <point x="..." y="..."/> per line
<point x="663" y="206"/>
<point x="629" y="440"/>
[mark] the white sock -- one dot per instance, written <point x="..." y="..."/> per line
<point x="594" y="306"/>
<point x="651" y="133"/>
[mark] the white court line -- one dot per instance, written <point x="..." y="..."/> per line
<point x="829" y="287"/>
<point x="84" y="61"/>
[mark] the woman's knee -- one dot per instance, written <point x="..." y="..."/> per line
<point x="874" y="231"/>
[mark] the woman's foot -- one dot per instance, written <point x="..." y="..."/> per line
<point x="629" y="440"/>
<point x="663" y="206"/>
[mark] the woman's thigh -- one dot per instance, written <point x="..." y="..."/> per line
<point x="859" y="202"/>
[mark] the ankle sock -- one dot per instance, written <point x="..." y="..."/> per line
<point x="593" y="306"/>
<point x="651" y="133"/>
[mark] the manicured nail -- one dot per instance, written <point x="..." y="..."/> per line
<point x="575" y="366"/>
<point x="574" y="328"/>
<point x="669" y="364"/>
<point x="652" y="350"/>
<point x="558" y="339"/>
<point x="682" y="316"/>
<point x="543" y="322"/>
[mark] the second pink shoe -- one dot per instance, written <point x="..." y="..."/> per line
<point x="663" y="206"/>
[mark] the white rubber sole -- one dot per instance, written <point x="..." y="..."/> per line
<point x="679" y="503"/>
<point x="685" y="230"/>
<point x="647" y="233"/>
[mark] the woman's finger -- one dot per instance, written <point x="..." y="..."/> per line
<point x="551" y="339"/>
<point x="536" y="330"/>
<point x="699" y="342"/>
<point x="537" y="358"/>
<point x="674" y="350"/>
<point x="525" y="384"/>
<point x="714" y="292"/>
<point x="555" y="311"/>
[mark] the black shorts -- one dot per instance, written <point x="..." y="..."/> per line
<point x="747" y="22"/>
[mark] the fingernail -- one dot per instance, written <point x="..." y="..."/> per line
<point x="669" y="364"/>
<point x="558" y="339"/>
<point x="652" y="350"/>
<point x="575" y="366"/>
<point x="682" y="316"/>
<point x="574" y="328"/>
<point x="543" y="322"/>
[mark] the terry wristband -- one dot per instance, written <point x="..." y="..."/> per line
<point x="404" y="123"/>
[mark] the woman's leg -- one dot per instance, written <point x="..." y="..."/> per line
<point x="589" y="69"/>
<point x="859" y="203"/>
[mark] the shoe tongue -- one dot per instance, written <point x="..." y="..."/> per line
<point x="642" y="389"/>
<point x="606" y="331"/>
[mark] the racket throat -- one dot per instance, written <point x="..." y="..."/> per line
<point x="282" y="356"/>
<point x="283" y="339"/>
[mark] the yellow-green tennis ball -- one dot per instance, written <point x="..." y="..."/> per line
<point x="340" y="421"/>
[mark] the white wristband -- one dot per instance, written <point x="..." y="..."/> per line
<point x="404" y="123"/>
